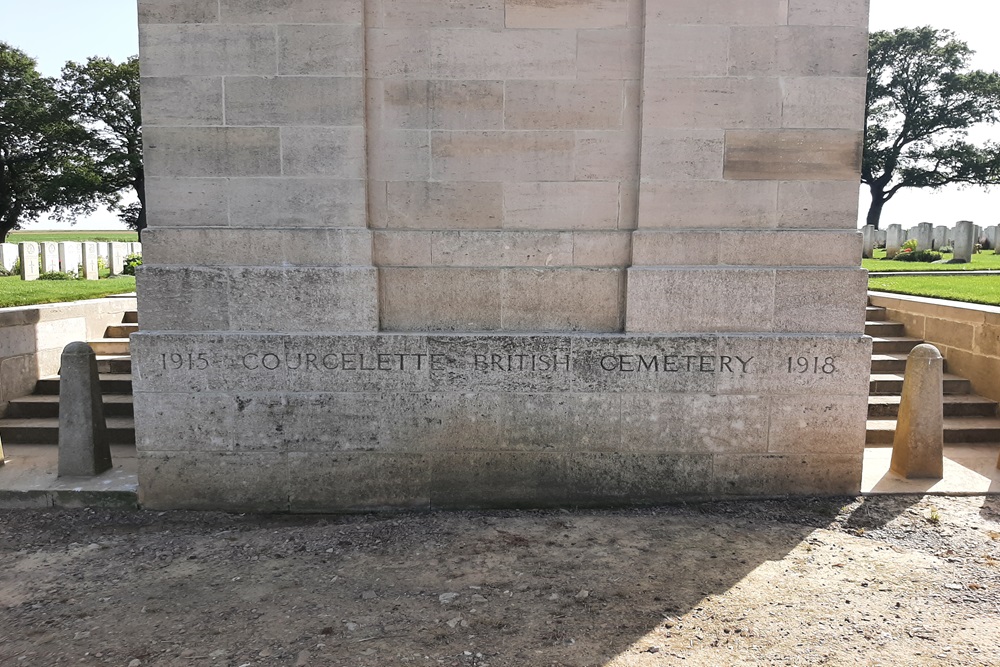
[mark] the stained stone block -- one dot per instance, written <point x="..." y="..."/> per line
<point x="28" y="254"/>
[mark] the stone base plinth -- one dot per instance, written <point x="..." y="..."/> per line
<point x="358" y="422"/>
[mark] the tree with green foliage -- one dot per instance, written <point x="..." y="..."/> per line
<point x="105" y="98"/>
<point x="45" y="166"/>
<point x="922" y="101"/>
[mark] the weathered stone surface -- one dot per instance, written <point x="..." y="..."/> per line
<point x="918" y="447"/>
<point x="83" y="440"/>
<point x="965" y="241"/>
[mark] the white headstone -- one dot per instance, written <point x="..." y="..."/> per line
<point x="70" y="257"/>
<point x="965" y="241"/>
<point x="135" y="249"/>
<point x="880" y="237"/>
<point x="89" y="261"/>
<point x="893" y="240"/>
<point x="50" y="256"/>
<point x="102" y="252"/>
<point x="977" y="234"/>
<point x="940" y="237"/>
<point x="924" y="233"/>
<point x="8" y="255"/>
<point x="867" y="241"/>
<point x="29" y="260"/>
<point x="991" y="236"/>
<point x="116" y="257"/>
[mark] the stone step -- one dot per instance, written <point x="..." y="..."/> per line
<point x="955" y="405"/>
<point x="956" y="429"/>
<point x="114" y="363"/>
<point x="884" y="329"/>
<point x="109" y="346"/>
<point x="121" y="431"/>
<point x="894" y="344"/>
<point x="47" y="405"/>
<point x="875" y="313"/>
<point x="888" y="363"/>
<point x="882" y="384"/>
<point x="131" y="317"/>
<point x="111" y="383"/>
<point x="120" y="330"/>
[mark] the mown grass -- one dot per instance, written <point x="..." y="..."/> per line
<point x="16" y="292"/>
<point x="971" y="289"/>
<point x="986" y="260"/>
<point x="99" y="236"/>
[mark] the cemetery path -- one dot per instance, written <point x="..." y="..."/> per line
<point x="880" y="581"/>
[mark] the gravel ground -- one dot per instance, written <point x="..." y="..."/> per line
<point x="880" y="581"/>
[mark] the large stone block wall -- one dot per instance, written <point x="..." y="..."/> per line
<point x="578" y="216"/>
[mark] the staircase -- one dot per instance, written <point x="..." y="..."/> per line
<point x="34" y="419"/>
<point x="968" y="418"/>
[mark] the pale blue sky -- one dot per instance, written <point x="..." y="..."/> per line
<point x="54" y="31"/>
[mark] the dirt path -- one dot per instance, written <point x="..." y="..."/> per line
<point x="887" y="581"/>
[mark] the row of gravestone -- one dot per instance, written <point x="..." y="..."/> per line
<point x="67" y="257"/>
<point x="963" y="237"/>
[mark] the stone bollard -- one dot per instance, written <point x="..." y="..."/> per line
<point x="83" y="436"/>
<point x="964" y="242"/>
<point x="918" y="447"/>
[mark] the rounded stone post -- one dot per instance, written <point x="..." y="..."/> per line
<point x="918" y="447"/>
<point x="83" y="438"/>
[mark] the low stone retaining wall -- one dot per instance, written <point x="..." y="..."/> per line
<point x="33" y="337"/>
<point x="967" y="334"/>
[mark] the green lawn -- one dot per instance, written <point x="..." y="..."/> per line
<point x="24" y="237"/>
<point x="16" y="292"/>
<point x="972" y="289"/>
<point x="982" y="261"/>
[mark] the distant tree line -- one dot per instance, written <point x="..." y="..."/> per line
<point x="69" y="145"/>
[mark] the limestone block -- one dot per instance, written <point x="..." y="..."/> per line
<point x="553" y="205"/>
<point x="400" y="155"/>
<point x="817" y="205"/>
<point x="336" y="152"/>
<point x="674" y="155"/>
<point x="827" y="51"/>
<point x="212" y="151"/>
<point x="708" y="204"/>
<point x="400" y="54"/>
<point x="965" y="240"/>
<point x="520" y="156"/>
<point x="443" y="105"/>
<point x="213" y="480"/>
<point x="487" y="14"/>
<point x="819" y="12"/>
<point x="792" y="155"/>
<point x="49" y="260"/>
<point x="687" y="50"/>
<point x="403" y="248"/>
<point x="183" y="298"/>
<point x="292" y="11"/>
<point x="918" y="446"/>
<point x="823" y="101"/>
<point x="182" y="100"/>
<point x="207" y="50"/>
<point x="584" y="14"/>
<point x="259" y="247"/>
<point x="18" y="376"/>
<point x="868" y="241"/>
<point x="88" y="261"/>
<point x="510" y="54"/>
<point x="602" y="249"/>
<point x="439" y="299"/>
<point x="359" y="481"/>
<point x="792" y="474"/>
<point x="83" y="439"/>
<point x="610" y="54"/>
<point x="178" y="11"/>
<point x="606" y="156"/>
<point x="321" y="50"/>
<point x="563" y="299"/>
<point x="28" y="254"/>
<point x="563" y="105"/>
<point x="711" y="103"/>
<point x="774" y="248"/>
<point x="698" y="423"/>
<point x="497" y="479"/>
<point x="164" y="429"/>
<point x="70" y="256"/>
<point x="721" y="12"/>
<point x="326" y="299"/>
<point x="573" y="422"/>
<point x="8" y="256"/>
<point x="675" y="248"/>
<point x="502" y="248"/>
<point x="440" y="205"/>
<point x="294" y="202"/>
<point x="820" y="300"/>
<point x="294" y="100"/>
<point x="817" y="424"/>
<point x="187" y="202"/>
<point x="634" y="478"/>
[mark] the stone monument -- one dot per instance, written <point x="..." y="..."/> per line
<point x="467" y="254"/>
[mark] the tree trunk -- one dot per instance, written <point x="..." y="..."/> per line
<point x="875" y="210"/>
<point x="5" y="229"/>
